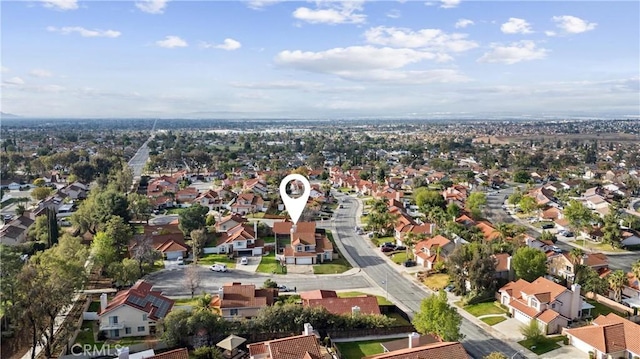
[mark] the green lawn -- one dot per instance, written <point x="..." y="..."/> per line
<point x="399" y="257"/>
<point x="138" y="229"/>
<point x="437" y="281"/>
<point x="269" y="265"/>
<point x="483" y="309"/>
<point x="599" y="246"/>
<point x="601" y="309"/>
<point x="381" y="299"/>
<point x="339" y="265"/>
<point x="357" y="350"/>
<point x="493" y="320"/>
<point x="186" y="301"/>
<point x="256" y="215"/>
<point x="544" y="346"/>
<point x="174" y="211"/>
<point x="85" y="336"/>
<point x="400" y="321"/>
<point x="210" y="259"/>
<point x="379" y="241"/>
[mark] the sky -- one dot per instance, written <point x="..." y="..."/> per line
<point x="319" y="59"/>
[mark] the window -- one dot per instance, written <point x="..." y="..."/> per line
<point x="234" y="312"/>
<point x="568" y="268"/>
<point x="113" y="319"/>
<point x="140" y="329"/>
<point x="144" y="317"/>
<point x="127" y="330"/>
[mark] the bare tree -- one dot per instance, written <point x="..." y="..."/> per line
<point x="144" y="252"/>
<point x="198" y="240"/>
<point x="192" y="279"/>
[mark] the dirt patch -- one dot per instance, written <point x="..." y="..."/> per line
<point x="492" y="140"/>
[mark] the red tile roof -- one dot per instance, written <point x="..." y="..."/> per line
<point x="367" y="304"/>
<point x="296" y="347"/>
<point x="142" y="297"/>
<point x="609" y="334"/>
<point x="318" y="294"/>
<point x="446" y="350"/>
<point x="301" y="227"/>
<point x="182" y="353"/>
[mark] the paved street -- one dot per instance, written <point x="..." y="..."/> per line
<point x="138" y="161"/>
<point x="402" y="290"/>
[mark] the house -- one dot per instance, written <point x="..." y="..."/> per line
<point x="15" y="231"/>
<point x="561" y="264"/>
<point x="448" y="350"/>
<point x="551" y="304"/>
<point x="133" y="312"/>
<point x="76" y="190"/>
<point x="631" y="291"/>
<point x="248" y="203"/>
<point x="240" y="240"/>
<point x="403" y="228"/>
<point x="609" y="336"/>
<point x="228" y="222"/>
<point x="630" y="238"/>
<point x="504" y="269"/>
<point x="364" y="304"/>
<point x="238" y="301"/>
<point x="303" y="346"/>
<point x="543" y="197"/>
<point x="170" y="245"/>
<point x="309" y="245"/>
<point x="415" y="340"/>
<point x="432" y="250"/>
<point x="186" y="195"/>
<point x="210" y="199"/>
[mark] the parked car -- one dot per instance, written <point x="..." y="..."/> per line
<point x="556" y="249"/>
<point x="409" y="263"/>
<point x="449" y="288"/>
<point x="244" y="261"/>
<point x="547" y="225"/>
<point x="387" y="249"/>
<point x="284" y="288"/>
<point x="218" y="267"/>
<point x="388" y="244"/>
<point x="401" y="248"/>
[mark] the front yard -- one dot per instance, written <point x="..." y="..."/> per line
<point x="211" y="259"/>
<point x="378" y="241"/>
<point x="381" y="299"/>
<point x="339" y="265"/>
<point x="360" y="349"/>
<point x="269" y="265"/>
<point x="493" y="320"/>
<point x="437" y="281"/>
<point x="482" y="308"/>
<point x="544" y="345"/>
<point x="399" y="257"/>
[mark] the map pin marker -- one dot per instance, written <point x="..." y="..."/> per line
<point x="295" y="206"/>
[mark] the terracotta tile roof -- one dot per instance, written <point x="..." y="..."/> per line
<point x="448" y="350"/>
<point x="296" y="347"/>
<point x="488" y="230"/>
<point x="318" y="294"/>
<point x="142" y="297"/>
<point x="304" y="238"/>
<point x="236" y="295"/>
<point x="404" y="343"/>
<point x="502" y="262"/>
<point x="610" y="334"/>
<point x="514" y="288"/>
<point x="238" y="233"/>
<point x="182" y="353"/>
<point x="301" y="227"/>
<point x="367" y="304"/>
<point x="548" y="316"/>
<point x="595" y="260"/>
<point x="524" y="308"/>
<point x="543" y="285"/>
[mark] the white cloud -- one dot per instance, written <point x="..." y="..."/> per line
<point x="152" y="6"/>
<point x="60" y="4"/>
<point x="462" y="23"/>
<point x="432" y="39"/>
<point x="573" y="25"/>
<point x="40" y="73"/>
<point x="394" y="14"/>
<point x="277" y="85"/>
<point x="228" y="44"/>
<point x="171" y="41"/>
<point x="329" y="12"/>
<point x="84" y="32"/>
<point x="4" y="69"/>
<point x="261" y="4"/>
<point x="449" y="4"/>
<point x="513" y="53"/>
<point x="516" y="26"/>
<point x="550" y="33"/>
<point x="14" y="81"/>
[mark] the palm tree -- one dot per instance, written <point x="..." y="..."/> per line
<point x="203" y="302"/>
<point x="575" y="256"/>
<point x="410" y="239"/>
<point x="617" y="280"/>
<point x="504" y="231"/>
<point x="20" y="209"/>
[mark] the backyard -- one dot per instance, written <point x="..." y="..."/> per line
<point x="381" y="299"/>
<point x="360" y="349"/>
<point x="436" y="281"/>
<point x="601" y="309"/>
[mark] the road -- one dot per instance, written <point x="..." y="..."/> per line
<point x="402" y="290"/>
<point x="496" y="214"/>
<point x="171" y="282"/>
<point x="138" y="161"/>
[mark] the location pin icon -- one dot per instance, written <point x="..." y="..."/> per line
<point x="295" y="206"/>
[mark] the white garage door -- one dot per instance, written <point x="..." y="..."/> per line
<point x="304" y="260"/>
<point x="521" y="317"/>
<point x="173" y="255"/>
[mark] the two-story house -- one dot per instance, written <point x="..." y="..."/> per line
<point x="303" y="346"/>
<point x="430" y="251"/>
<point x="228" y="222"/>
<point x="241" y="240"/>
<point x="609" y="336"/>
<point x="133" y="312"/>
<point x="364" y="304"/>
<point x="561" y="264"/>
<point x="551" y="304"/>
<point x="186" y="195"/>
<point x="248" y="203"/>
<point x="308" y="244"/>
<point x="236" y="301"/>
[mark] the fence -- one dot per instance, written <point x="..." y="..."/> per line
<point x="357" y="333"/>
<point x="609" y="303"/>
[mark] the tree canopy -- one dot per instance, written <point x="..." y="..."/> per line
<point x="437" y="317"/>
<point x="529" y="263"/>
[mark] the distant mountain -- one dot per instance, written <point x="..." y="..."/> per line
<point x="8" y="115"/>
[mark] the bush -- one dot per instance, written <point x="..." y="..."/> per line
<point x="102" y="336"/>
<point x="532" y="331"/>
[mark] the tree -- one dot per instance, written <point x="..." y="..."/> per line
<point x="617" y="280"/>
<point x="476" y="201"/>
<point x="176" y="328"/>
<point x="120" y="232"/>
<point x="140" y="206"/>
<point x="269" y="284"/>
<point x="124" y="273"/>
<point x="547" y="236"/>
<point x="496" y="355"/>
<point x="38" y="182"/>
<point x="611" y="230"/>
<point x="198" y="240"/>
<point x="193" y="218"/>
<point x="192" y="279"/>
<point x="203" y="302"/>
<point x="515" y="198"/>
<point x="521" y="176"/>
<point x="482" y="271"/>
<point x="11" y="266"/>
<point x="103" y="250"/>
<point x="453" y="211"/>
<point x="40" y="193"/>
<point x="590" y="281"/>
<point x="578" y="215"/>
<point x="528" y="204"/>
<point x="20" y="209"/>
<point x="532" y="331"/>
<point x="437" y="317"/>
<point x="211" y="220"/>
<point x="426" y="198"/>
<point x="144" y="252"/>
<point x="529" y="263"/>
<point x="410" y="240"/>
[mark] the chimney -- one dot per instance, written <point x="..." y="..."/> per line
<point x="103" y="302"/>
<point x="509" y="263"/>
<point x="293" y="230"/>
<point x="255" y="229"/>
<point x="308" y="329"/>
<point x="414" y="340"/>
<point x="576" y="301"/>
<point x="123" y="353"/>
<point x="432" y="228"/>
<point x="355" y="310"/>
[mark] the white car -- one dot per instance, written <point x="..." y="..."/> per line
<point x="218" y="267"/>
<point x="244" y="261"/>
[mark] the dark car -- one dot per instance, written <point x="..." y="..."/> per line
<point x="388" y="244"/>
<point x="409" y="263"/>
<point x="387" y="249"/>
<point x="547" y="225"/>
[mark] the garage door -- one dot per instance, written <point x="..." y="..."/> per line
<point x="521" y="317"/>
<point x="173" y="255"/>
<point x="304" y="260"/>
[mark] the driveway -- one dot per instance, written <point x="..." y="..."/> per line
<point x="510" y="328"/>
<point x="251" y="267"/>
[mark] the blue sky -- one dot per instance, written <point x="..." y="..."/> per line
<point x="320" y="59"/>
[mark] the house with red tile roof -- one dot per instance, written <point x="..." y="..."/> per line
<point x="504" y="270"/>
<point x="631" y="291"/>
<point x="170" y="245"/>
<point x="309" y="245"/>
<point x="551" y="304"/>
<point x="303" y="346"/>
<point x="364" y="304"/>
<point x="181" y="353"/>
<point x="609" y="336"/>
<point x="236" y="301"/>
<point x="561" y="264"/>
<point x="248" y="203"/>
<point x="318" y="294"/>
<point x="210" y="199"/>
<point x="448" y="350"/>
<point x="133" y="312"/>
<point x="241" y="240"/>
<point x="186" y="195"/>
<point x="430" y="251"/>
